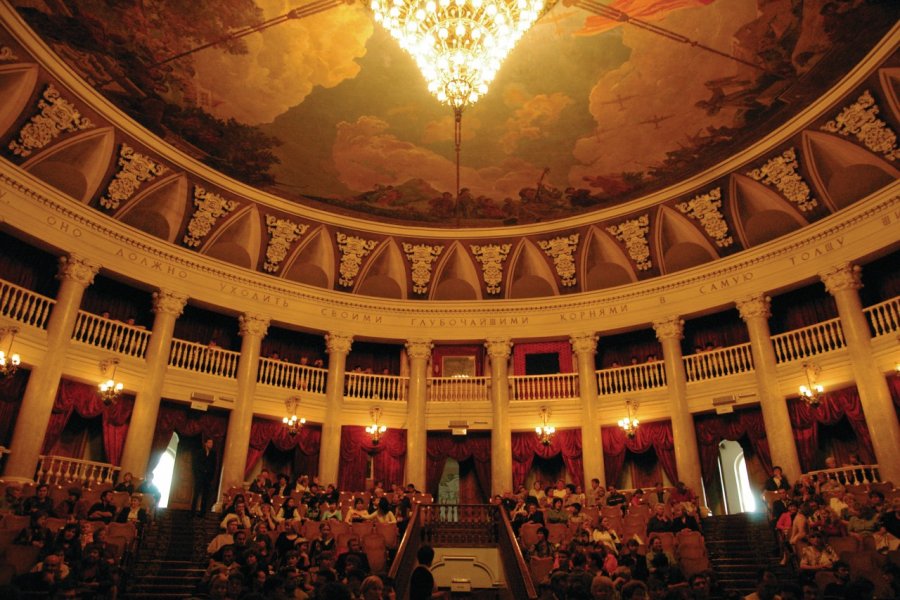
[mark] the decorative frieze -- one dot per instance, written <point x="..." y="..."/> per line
<point x="860" y="119"/>
<point x="633" y="233"/>
<point x="6" y="53"/>
<point x="421" y="258"/>
<point x="210" y="207"/>
<point x="282" y="233"/>
<point x="781" y="172"/>
<point x="492" y="257"/>
<point x="134" y="169"/>
<point x="56" y="115"/>
<point x="561" y="250"/>
<point x="353" y="250"/>
<point x="706" y="209"/>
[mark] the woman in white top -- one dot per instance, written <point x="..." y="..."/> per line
<point x="358" y="512"/>
<point x="384" y="514"/>
<point x="537" y="491"/>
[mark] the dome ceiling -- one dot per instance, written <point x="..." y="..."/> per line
<point x="586" y="112"/>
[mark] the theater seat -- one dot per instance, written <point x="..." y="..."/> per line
<point x="540" y="568"/>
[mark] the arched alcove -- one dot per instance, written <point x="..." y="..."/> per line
<point x="455" y="276"/>
<point x="385" y="274"/>
<point x="75" y="166"/>
<point x="237" y="241"/>
<point x="760" y="214"/>
<point x="158" y="210"/>
<point x="605" y="264"/>
<point x="16" y="84"/>
<point x="312" y="261"/>
<point x="529" y="274"/>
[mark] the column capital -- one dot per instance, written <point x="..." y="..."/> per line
<point x="842" y="277"/>
<point x="751" y="307"/>
<point x="584" y="343"/>
<point x="77" y="269"/>
<point x="169" y="303"/>
<point x="498" y="347"/>
<point x="338" y="343"/>
<point x="669" y="328"/>
<point x="419" y="348"/>
<point x="253" y="324"/>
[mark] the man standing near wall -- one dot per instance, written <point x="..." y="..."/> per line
<point x="204" y="468"/>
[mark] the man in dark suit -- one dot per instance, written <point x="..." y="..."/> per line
<point x="204" y="467"/>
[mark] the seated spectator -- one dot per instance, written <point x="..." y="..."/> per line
<point x="866" y="523"/>
<point x="104" y="510"/>
<point x="576" y="494"/>
<point x="37" y="533"/>
<point x="682" y="520"/>
<point x="684" y="496"/>
<point x="576" y="517"/>
<point x="325" y="544"/>
<point x="261" y="484"/>
<point x="783" y="527"/>
<point x="358" y="513"/>
<point x="604" y="534"/>
<point x="240" y="514"/>
<point x="332" y="511"/>
<point x="282" y="486"/>
<point x="630" y="557"/>
<point x="126" y="484"/>
<point x="659" y="522"/>
<point x="659" y="562"/>
<point x="838" y="588"/>
<point x="222" y="565"/>
<point x="288" y="540"/>
<point x="73" y="508"/>
<point x="288" y="510"/>
<point x="149" y="489"/>
<point x="93" y="574"/>
<point x="537" y="492"/>
<point x="12" y="501"/>
<point x="67" y="544"/>
<point x="223" y="539"/>
<point x="637" y="499"/>
<point x="541" y="548"/>
<point x="615" y="498"/>
<point x="133" y="513"/>
<point x="384" y="514"/>
<point x="100" y="539"/>
<point x="818" y="555"/>
<point x="596" y="494"/>
<point x="777" y="481"/>
<point x="556" y="513"/>
<point x="40" y="502"/>
<point x="46" y="579"/>
<point x="560" y="490"/>
<point x="659" y="495"/>
<point x="887" y="538"/>
<point x="354" y="554"/>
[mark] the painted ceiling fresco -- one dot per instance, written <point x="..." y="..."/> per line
<point x="586" y="112"/>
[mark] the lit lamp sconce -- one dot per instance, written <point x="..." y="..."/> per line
<point x="9" y="360"/>
<point x="629" y="423"/>
<point x="375" y="430"/>
<point x="545" y="431"/>
<point x="291" y="421"/>
<point x="110" y="389"/>
<point x="812" y="391"/>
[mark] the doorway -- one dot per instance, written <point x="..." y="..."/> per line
<point x="736" y="487"/>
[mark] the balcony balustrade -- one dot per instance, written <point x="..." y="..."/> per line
<point x="368" y="386"/>
<point x="720" y="362"/>
<point x="111" y="335"/>
<point x="192" y="356"/>
<point x="633" y="378"/>
<point x="884" y="317"/>
<point x="292" y="376"/>
<point x="809" y="341"/>
<point x="64" y="470"/>
<point x="558" y="386"/>
<point x="849" y="475"/>
<point x="24" y="306"/>
<point x="459" y="389"/>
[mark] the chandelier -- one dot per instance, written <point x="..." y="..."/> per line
<point x="812" y="391"/>
<point x="110" y="389"/>
<point x="375" y="430"/>
<point x="545" y="431"/>
<point x="291" y="421"/>
<point x="9" y="360"/>
<point x="629" y="423"/>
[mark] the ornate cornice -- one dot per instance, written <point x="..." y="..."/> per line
<point x="282" y="233"/>
<point x="492" y="257"/>
<point x="210" y="207"/>
<point x="55" y="116"/>
<point x="860" y="120"/>
<point x="782" y="173"/>
<point x="561" y="250"/>
<point x="706" y="208"/>
<point x="353" y="250"/>
<point x="633" y="233"/>
<point x="134" y="169"/>
<point x="421" y="258"/>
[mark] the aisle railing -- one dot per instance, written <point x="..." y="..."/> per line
<point x="109" y="334"/>
<point x="24" y="306"/>
<point x="558" y="386"/>
<point x="201" y="358"/>
<point x="631" y="378"/>
<point x="718" y="363"/>
<point x="809" y="341"/>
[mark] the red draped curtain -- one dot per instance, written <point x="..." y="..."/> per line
<point x="656" y="436"/>
<point x="12" y="390"/>
<point x="84" y="399"/>
<point x="712" y="429"/>
<point x="833" y="407"/>
<point x="180" y="419"/>
<point x="305" y="444"/>
<point x="802" y="307"/>
<point x="388" y="456"/>
<point x="894" y="385"/>
<point x="441" y="445"/>
<point x="526" y="445"/>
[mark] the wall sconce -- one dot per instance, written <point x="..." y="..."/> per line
<point x="293" y="424"/>
<point x="9" y="360"/>
<point x="812" y="391"/>
<point x="545" y="431"/>
<point x="110" y="389"/>
<point x="629" y="423"/>
<point x="375" y="430"/>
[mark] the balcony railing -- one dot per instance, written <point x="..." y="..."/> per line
<point x="61" y="470"/>
<point x="24" y="306"/>
<point x="849" y="475"/>
<point x="632" y="378"/>
<point x="557" y="386"/>
<point x="292" y="376"/>
<point x="459" y="389"/>
<point x="368" y="386"/>
<point x="718" y="363"/>
<point x="809" y="341"/>
<point x="192" y="356"/>
<point x="111" y="335"/>
<point x="884" y="317"/>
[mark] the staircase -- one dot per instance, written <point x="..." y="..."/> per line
<point x="738" y="546"/>
<point x="172" y="556"/>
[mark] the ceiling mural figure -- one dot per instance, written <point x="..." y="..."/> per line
<point x="316" y="103"/>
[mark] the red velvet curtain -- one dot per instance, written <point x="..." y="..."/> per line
<point x="306" y="442"/>
<point x="656" y="435"/>
<point x="11" y="392"/>
<point x="180" y="419"/>
<point x="894" y="384"/>
<point x="806" y="306"/>
<point x="833" y="407"/>
<point x="526" y="445"/>
<point x="83" y="399"/>
<point x="389" y="457"/>
<point x="441" y="445"/>
<point x="712" y="429"/>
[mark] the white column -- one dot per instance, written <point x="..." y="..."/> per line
<point x="843" y="283"/>
<point x="419" y="352"/>
<point x="499" y="350"/>
<point x="755" y="311"/>
<point x="687" y="459"/>
<point x="75" y="274"/>
<point x="585" y="347"/>
<point x="253" y="328"/>
<point x="338" y="347"/>
<point x="167" y="307"/>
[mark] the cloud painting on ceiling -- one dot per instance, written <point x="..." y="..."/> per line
<point x="586" y="111"/>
